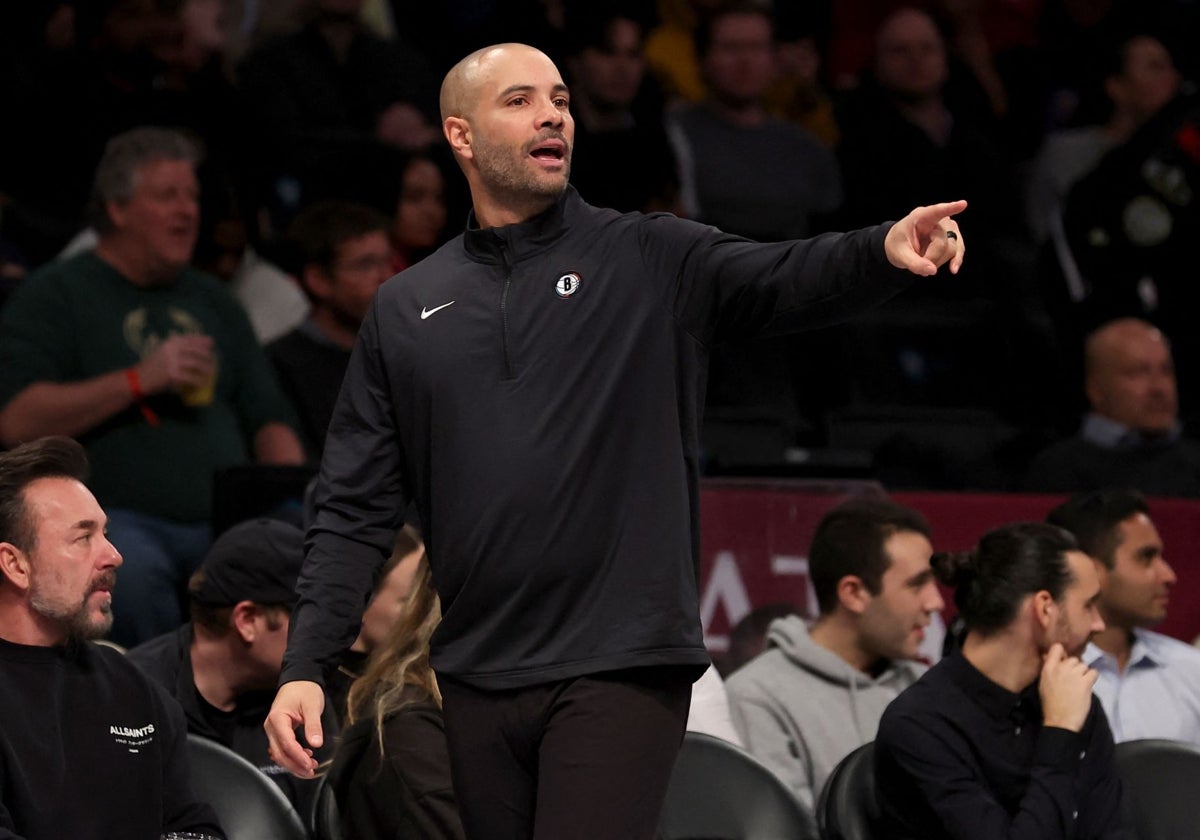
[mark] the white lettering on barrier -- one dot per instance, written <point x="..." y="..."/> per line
<point x="790" y="564"/>
<point x="725" y="588"/>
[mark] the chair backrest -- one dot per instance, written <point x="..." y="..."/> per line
<point x="249" y="805"/>
<point x="847" y="806"/>
<point x="325" y="820"/>
<point x="1162" y="786"/>
<point x="719" y="790"/>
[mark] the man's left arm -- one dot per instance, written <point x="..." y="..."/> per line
<point x="720" y="286"/>
<point x="183" y="814"/>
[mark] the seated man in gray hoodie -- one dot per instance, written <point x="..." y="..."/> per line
<point x="815" y="695"/>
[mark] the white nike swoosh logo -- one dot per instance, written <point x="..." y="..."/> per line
<point x="425" y="313"/>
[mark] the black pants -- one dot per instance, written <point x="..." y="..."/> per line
<point x="588" y="757"/>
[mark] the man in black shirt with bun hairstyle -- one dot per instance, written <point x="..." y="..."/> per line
<point x="1003" y="738"/>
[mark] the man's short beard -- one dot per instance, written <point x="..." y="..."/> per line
<point x="504" y="175"/>
<point x="520" y="186"/>
<point x="78" y="623"/>
<point x="1064" y="631"/>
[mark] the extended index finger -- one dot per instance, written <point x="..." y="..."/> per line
<point x="929" y="215"/>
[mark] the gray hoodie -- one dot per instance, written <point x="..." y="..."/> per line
<point x="801" y="709"/>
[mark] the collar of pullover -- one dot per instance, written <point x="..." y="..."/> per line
<point x="512" y="243"/>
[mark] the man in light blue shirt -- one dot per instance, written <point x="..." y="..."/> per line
<point x="1149" y="683"/>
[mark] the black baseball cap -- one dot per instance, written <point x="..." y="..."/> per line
<point x="257" y="560"/>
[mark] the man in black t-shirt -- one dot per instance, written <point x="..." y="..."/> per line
<point x="90" y="747"/>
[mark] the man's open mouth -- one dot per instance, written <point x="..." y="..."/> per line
<point x="549" y="150"/>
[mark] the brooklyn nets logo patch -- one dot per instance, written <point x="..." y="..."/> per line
<point x="567" y="285"/>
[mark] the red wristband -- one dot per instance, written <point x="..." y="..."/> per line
<point x="139" y="396"/>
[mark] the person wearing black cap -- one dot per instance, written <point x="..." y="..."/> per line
<point x="224" y="664"/>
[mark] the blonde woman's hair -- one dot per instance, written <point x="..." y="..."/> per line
<point x="402" y="660"/>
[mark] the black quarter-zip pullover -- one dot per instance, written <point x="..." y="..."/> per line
<point x="537" y="389"/>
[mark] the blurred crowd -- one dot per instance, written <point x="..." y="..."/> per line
<point x="1070" y="127"/>
<point x="200" y="198"/>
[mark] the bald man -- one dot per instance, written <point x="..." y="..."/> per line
<point x="1132" y="435"/>
<point x="535" y="387"/>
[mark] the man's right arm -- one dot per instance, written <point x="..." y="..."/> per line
<point x="360" y="499"/>
<point x="73" y="408"/>
<point x="37" y="357"/>
<point x="69" y="408"/>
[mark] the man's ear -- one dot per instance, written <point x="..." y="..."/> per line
<point x="1094" y="392"/>
<point x="317" y="280"/>
<point x="458" y="135"/>
<point x="14" y="565"/>
<point x="1115" y="87"/>
<point x="853" y="594"/>
<point x="1045" y="609"/>
<point x="116" y="213"/>
<point x="243" y="620"/>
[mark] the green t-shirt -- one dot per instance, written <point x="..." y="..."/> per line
<point x="80" y="318"/>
